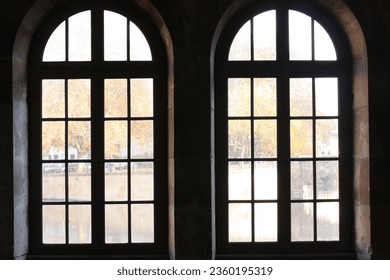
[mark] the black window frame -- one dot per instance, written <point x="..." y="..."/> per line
<point x="97" y="70"/>
<point x="283" y="69"/>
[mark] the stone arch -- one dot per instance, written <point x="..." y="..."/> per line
<point x="20" y="60"/>
<point x="361" y="167"/>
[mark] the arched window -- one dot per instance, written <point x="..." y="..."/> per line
<point x="283" y="133"/>
<point x="98" y="134"/>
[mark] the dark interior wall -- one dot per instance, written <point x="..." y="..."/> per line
<point x="374" y="17"/>
<point x="192" y="25"/>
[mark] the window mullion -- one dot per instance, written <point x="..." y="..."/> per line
<point x="66" y="162"/>
<point x="314" y="153"/>
<point x="67" y="40"/>
<point x="252" y="150"/>
<point x="97" y="33"/>
<point x="97" y="128"/>
<point x="97" y="157"/>
<point x="283" y="128"/>
<point x="129" y="159"/>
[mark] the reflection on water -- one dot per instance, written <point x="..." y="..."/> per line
<point x="118" y="228"/>
<point x="265" y="218"/>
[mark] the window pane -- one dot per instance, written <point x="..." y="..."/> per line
<point x="115" y="37"/>
<point x="80" y="37"/>
<point x="302" y="227"/>
<point x="115" y="98"/>
<point x="327" y="138"/>
<point x="239" y="97"/>
<point x="265" y="97"/>
<point x="116" y="181"/>
<point x="240" y="222"/>
<point x="53" y="224"/>
<point x="265" y="138"/>
<point x="142" y="223"/>
<point x="53" y="140"/>
<point x="141" y="97"/>
<point x="80" y="224"/>
<point x="79" y="181"/>
<point x="115" y="139"/>
<point x="240" y="180"/>
<point x="327" y="179"/>
<point x="299" y="36"/>
<point x="142" y="181"/>
<point x="241" y="45"/>
<point x="79" y="98"/>
<point x="301" y="180"/>
<point x="53" y="182"/>
<point x="328" y="221"/>
<point x="301" y="133"/>
<point x="266" y="180"/>
<point x="266" y="222"/>
<point x="323" y="45"/>
<point x="264" y="36"/>
<point x="53" y="99"/>
<point x="301" y="103"/>
<point x="139" y="46"/>
<point x="79" y="140"/>
<point x="142" y="139"/>
<point x="116" y="223"/>
<point x="55" y="46"/>
<point x="326" y="96"/>
<point x="239" y="139"/>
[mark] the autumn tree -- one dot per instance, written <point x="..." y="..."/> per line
<point x="78" y="112"/>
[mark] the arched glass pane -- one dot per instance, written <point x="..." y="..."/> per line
<point x="142" y="223"/>
<point x="53" y="140"/>
<point x="53" y="98"/>
<point x="240" y="180"/>
<point x="55" y="46"/>
<point x="323" y="45"/>
<point x="328" y="228"/>
<point x="142" y="139"/>
<point x="115" y="98"/>
<point x="327" y="96"/>
<point x="240" y="222"/>
<point x="141" y="94"/>
<point x="115" y="139"/>
<point x="266" y="222"/>
<point x="80" y="224"/>
<point x="300" y="121"/>
<point x="53" y="224"/>
<point x="302" y="222"/>
<point x="116" y="223"/>
<point x="264" y="97"/>
<point x="70" y="108"/>
<point x="301" y="138"/>
<point x="264" y="36"/>
<point x="301" y="97"/>
<point x="80" y="37"/>
<point x="239" y="97"/>
<point x="79" y="98"/>
<point x="142" y="181"/>
<point x="139" y="46"/>
<point x="301" y="180"/>
<point x="241" y="46"/>
<point x="79" y="139"/>
<point x="115" y="37"/>
<point x="300" y="36"/>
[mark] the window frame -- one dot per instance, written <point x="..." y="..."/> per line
<point x="97" y="70"/>
<point x="283" y="69"/>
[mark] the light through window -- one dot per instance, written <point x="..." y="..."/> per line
<point x="278" y="142"/>
<point x="101" y="147"/>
